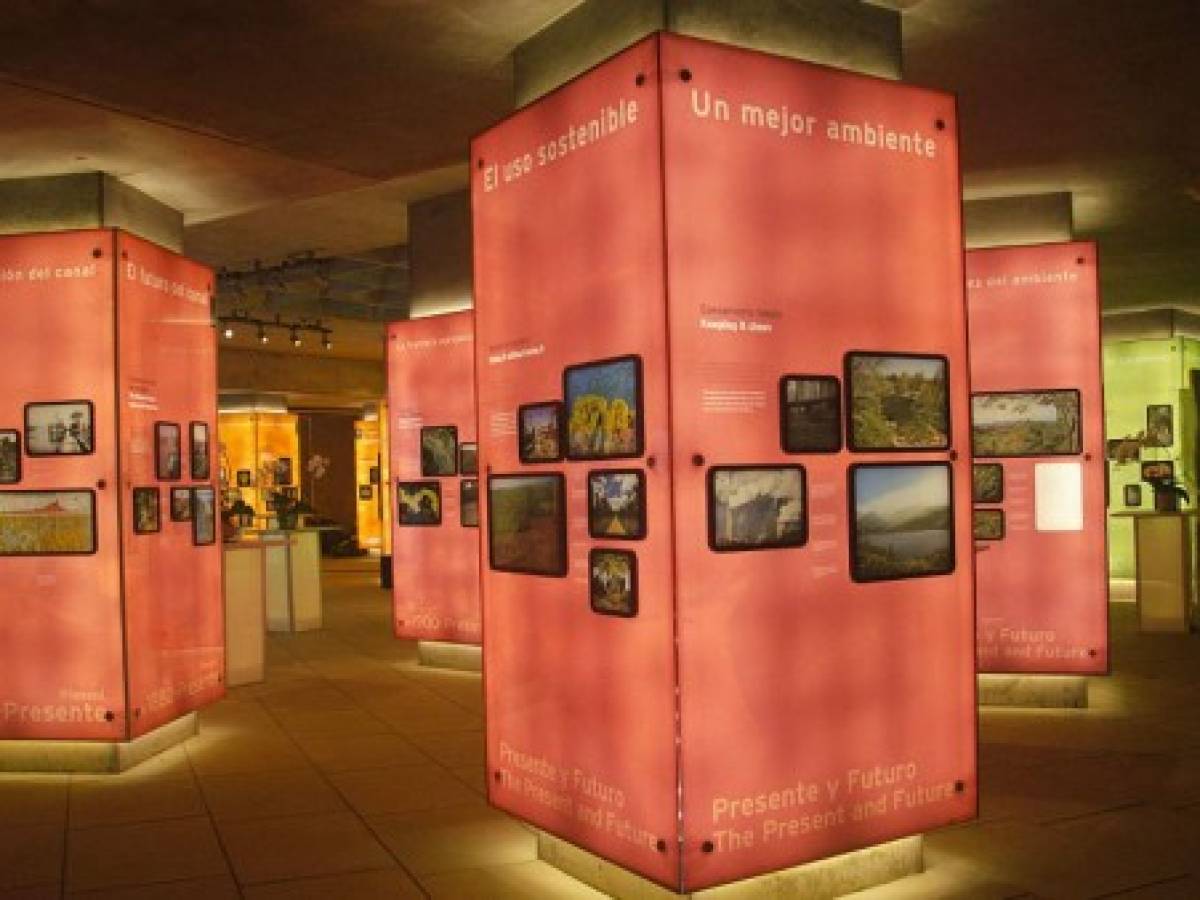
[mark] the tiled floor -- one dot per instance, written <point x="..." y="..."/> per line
<point x="353" y="772"/>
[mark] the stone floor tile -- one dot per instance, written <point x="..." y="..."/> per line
<point x="260" y="795"/>
<point x="301" y="846"/>
<point x="148" y="852"/>
<point x="401" y="789"/>
<point x="455" y="837"/>
<point x="382" y="883"/>
<point x="31" y="855"/>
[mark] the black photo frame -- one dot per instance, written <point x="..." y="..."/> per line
<point x="200" y="451"/>
<point x="987" y="524"/>
<point x="147" y="510"/>
<point x="575" y="381"/>
<point x="245" y="478"/>
<point x="437" y="459"/>
<point x="1133" y="495"/>
<point x="366" y="492"/>
<point x="10" y="456"/>
<point x="613" y="582"/>
<point x="515" y="522"/>
<point x="168" y="451"/>
<point x="810" y="424"/>
<point x="23" y="506"/>
<point x="418" y="504"/>
<point x="891" y="409"/>
<point x="468" y="458"/>
<point x="725" y="521"/>
<point x="871" y="564"/>
<point x="986" y="449"/>
<point x="468" y="503"/>
<point x="987" y="483"/>
<point x="1160" y="425"/>
<point x="532" y="436"/>
<point x="78" y="438"/>
<point x="605" y="522"/>
<point x="1158" y="469"/>
<point x="374" y="475"/>
<point x="181" y="504"/>
<point x="204" y="515"/>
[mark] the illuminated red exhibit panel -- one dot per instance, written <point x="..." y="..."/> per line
<point x="723" y="402"/>
<point x="1037" y="411"/>
<point x="434" y="462"/>
<point x="110" y="571"/>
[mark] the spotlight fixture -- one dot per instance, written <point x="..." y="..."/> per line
<point x="295" y="337"/>
<point x="262" y="334"/>
<point x="229" y="332"/>
<point x="326" y="342"/>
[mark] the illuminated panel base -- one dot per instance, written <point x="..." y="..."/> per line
<point x="1034" y="691"/>
<point x="820" y="880"/>
<point x="94" y="756"/>
<point x="445" y="655"/>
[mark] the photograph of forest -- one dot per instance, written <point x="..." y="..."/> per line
<point x="468" y="510"/>
<point x="47" y="522"/>
<point x="898" y="402"/>
<point x="613" y="579"/>
<point x="903" y="524"/>
<point x="616" y="504"/>
<point x="756" y="507"/>
<point x="419" y="503"/>
<point x="812" y="414"/>
<point x="1032" y="423"/>
<point x="439" y="450"/>
<point x="988" y="524"/>
<point x="603" y="408"/>
<point x="527" y="524"/>
<point x="987" y="483"/>
<point x="540" y="427"/>
<point x="146" y="515"/>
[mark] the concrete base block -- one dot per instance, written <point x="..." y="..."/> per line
<point x="445" y="655"/>
<point x="94" y="756"/>
<point x="820" y="880"/>
<point x="1034" y="691"/>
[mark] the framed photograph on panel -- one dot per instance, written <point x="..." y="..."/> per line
<point x="168" y="460"/>
<point x="540" y="432"/>
<point x="418" y="503"/>
<point x="47" y="523"/>
<point x="366" y="492"/>
<point x="10" y="456"/>
<point x="374" y="476"/>
<point x="612" y="577"/>
<point x="147" y="515"/>
<point x="756" y="507"/>
<point x="1133" y="495"/>
<point x="468" y="506"/>
<point x="604" y="409"/>
<point x="527" y="524"/>
<point x="1025" y="423"/>
<point x="181" y="504"/>
<point x="201" y="468"/>
<point x="1160" y="426"/>
<point x="283" y="471"/>
<point x="810" y="414"/>
<point x="245" y="478"/>
<point x="63" y="428"/>
<point x="987" y="524"/>
<point x="987" y="483"/>
<point x="468" y="459"/>
<point x="617" y="504"/>
<point x="204" y="515"/>
<point x="439" y="451"/>
<point x="901" y="521"/>
<point x="1158" y="470"/>
<point x="897" y="401"/>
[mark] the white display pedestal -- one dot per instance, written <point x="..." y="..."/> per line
<point x="1034" y="691"/>
<point x="447" y="655"/>
<point x="245" y="611"/>
<point x="293" y="579"/>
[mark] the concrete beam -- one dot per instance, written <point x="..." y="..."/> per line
<point x="1024" y="219"/>
<point x="280" y="373"/>
<point x="439" y="248"/>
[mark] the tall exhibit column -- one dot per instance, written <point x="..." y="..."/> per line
<point x="855" y="37"/>
<point x="1008" y="222"/>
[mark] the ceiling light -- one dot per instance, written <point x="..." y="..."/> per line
<point x="295" y="338"/>
<point x="228" y="332"/>
<point x="327" y="343"/>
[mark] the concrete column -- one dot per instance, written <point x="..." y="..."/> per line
<point x="86" y="200"/>
<point x="439" y="252"/>
<point x="854" y="36"/>
<point x="1022" y="219"/>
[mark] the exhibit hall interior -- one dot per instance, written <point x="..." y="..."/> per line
<point x="600" y="448"/>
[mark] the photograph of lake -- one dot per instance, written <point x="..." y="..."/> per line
<point x="903" y="521"/>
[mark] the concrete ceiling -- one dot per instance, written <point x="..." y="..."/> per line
<point x="298" y="126"/>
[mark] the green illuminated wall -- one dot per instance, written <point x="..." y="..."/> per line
<point x="1138" y="373"/>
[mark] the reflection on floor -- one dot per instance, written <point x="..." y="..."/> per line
<point x="354" y="773"/>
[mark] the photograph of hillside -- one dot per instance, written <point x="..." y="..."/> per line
<point x="1033" y="423"/>
<point x="898" y="402"/>
<point x="47" y="522"/>
<point x="439" y="450"/>
<point x="527" y="524"/>
<point x="903" y="521"/>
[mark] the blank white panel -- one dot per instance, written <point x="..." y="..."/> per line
<point x="1058" y="496"/>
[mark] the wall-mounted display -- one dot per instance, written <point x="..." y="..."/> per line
<point x="418" y="503"/>
<point x="204" y="515"/>
<point x="201" y="467"/>
<point x="756" y="507"/>
<point x="168" y="449"/>
<point x="283" y="471"/>
<point x="540" y="432"/>
<point x="366" y="492"/>
<point x="147" y="512"/>
<point x="1158" y="470"/>
<point x="47" y="523"/>
<point x="604" y="408"/>
<point x="59" y="428"/>
<point x="468" y="503"/>
<point x="181" y="504"/>
<point x="987" y="483"/>
<point x="617" y="504"/>
<point x="810" y="408"/>
<point x="527" y="524"/>
<point x="903" y="521"/>
<point x="245" y="478"/>
<point x="1025" y="423"/>
<point x="1160" y="426"/>
<point x="612" y="575"/>
<point x="898" y="401"/>
<point x="10" y="456"/>
<point x="374" y="475"/>
<point x="987" y="524"/>
<point x="1133" y="495"/>
<point x="468" y="459"/>
<point x="439" y="450"/>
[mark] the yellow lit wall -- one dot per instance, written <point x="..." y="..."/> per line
<point x="251" y="441"/>
<point x="367" y="456"/>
